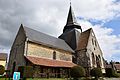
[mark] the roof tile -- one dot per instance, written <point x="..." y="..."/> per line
<point x="3" y="56"/>
<point x="83" y="39"/>
<point x="49" y="62"/>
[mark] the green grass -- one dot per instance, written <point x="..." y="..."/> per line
<point x="4" y="79"/>
<point x="47" y="79"/>
<point x="38" y="79"/>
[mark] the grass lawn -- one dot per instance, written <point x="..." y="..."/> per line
<point x="4" y="79"/>
<point x="38" y="79"/>
<point x="47" y="79"/>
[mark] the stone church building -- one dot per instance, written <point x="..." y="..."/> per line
<point x="56" y="55"/>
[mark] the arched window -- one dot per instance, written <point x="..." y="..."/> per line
<point x="54" y="55"/>
<point x="93" y="59"/>
<point x="98" y="61"/>
<point x="95" y="43"/>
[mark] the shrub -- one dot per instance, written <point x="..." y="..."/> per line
<point x="77" y="72"/>
<point x="111" y="73"/>
<point x="96" y="72"/>
<point x="116" y="75"/>
<point x="2" y="69"/>
<point x="26" y="71"/>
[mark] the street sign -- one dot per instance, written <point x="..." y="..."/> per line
<point x="16" y="76"/>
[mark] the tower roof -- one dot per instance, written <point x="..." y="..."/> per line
<point x="71" y="21"/>
<point x="71" y="17"/>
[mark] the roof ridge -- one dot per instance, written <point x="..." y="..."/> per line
<point x="38" y="31"/>
<point x="39" y="37"/>
<point x="87" y="30"/>
<point x="43" y="33"/>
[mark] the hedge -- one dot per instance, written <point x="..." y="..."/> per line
<point x="96" y="72"/>
<point x="110" y="72"/>
<point x="77" y="72"/>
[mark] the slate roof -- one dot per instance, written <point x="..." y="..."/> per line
<point x="83" y="39"/>
<point x="71" y="38"/>
<point x="117" y="66"/>
<point x="41" y="38"/>
<point x="3" y="56"/>
<point x="71" y="21"/>
<point x="108" y="66"/>
<point x="49" y="62"/>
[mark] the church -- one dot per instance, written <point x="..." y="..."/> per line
<point x="56" y="55"/>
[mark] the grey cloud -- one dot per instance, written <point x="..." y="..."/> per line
<point x="15" y="12"/>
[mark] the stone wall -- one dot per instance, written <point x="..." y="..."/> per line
<point x="82" y="58"/>
<point x="94" y="48"/>
<point x="47" y="52"/>
<point x="17" y="51"/>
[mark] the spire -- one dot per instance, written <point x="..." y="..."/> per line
<point x="71" y="21"/>
<point x="71" y="17"/>
<point x="21" y="25"/>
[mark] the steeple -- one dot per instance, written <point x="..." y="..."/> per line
<point x="71" y="21"/>
<point x="71" y="17"/>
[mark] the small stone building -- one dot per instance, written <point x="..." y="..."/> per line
<point x="56" y="55"/>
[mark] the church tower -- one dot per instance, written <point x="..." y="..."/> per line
<point x="88" y="53"/>
<point x="72" y="30"/>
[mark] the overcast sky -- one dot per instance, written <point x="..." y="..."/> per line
<point x="49" y="16"/>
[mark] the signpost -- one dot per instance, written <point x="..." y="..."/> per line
<point x="16" y="76"/>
